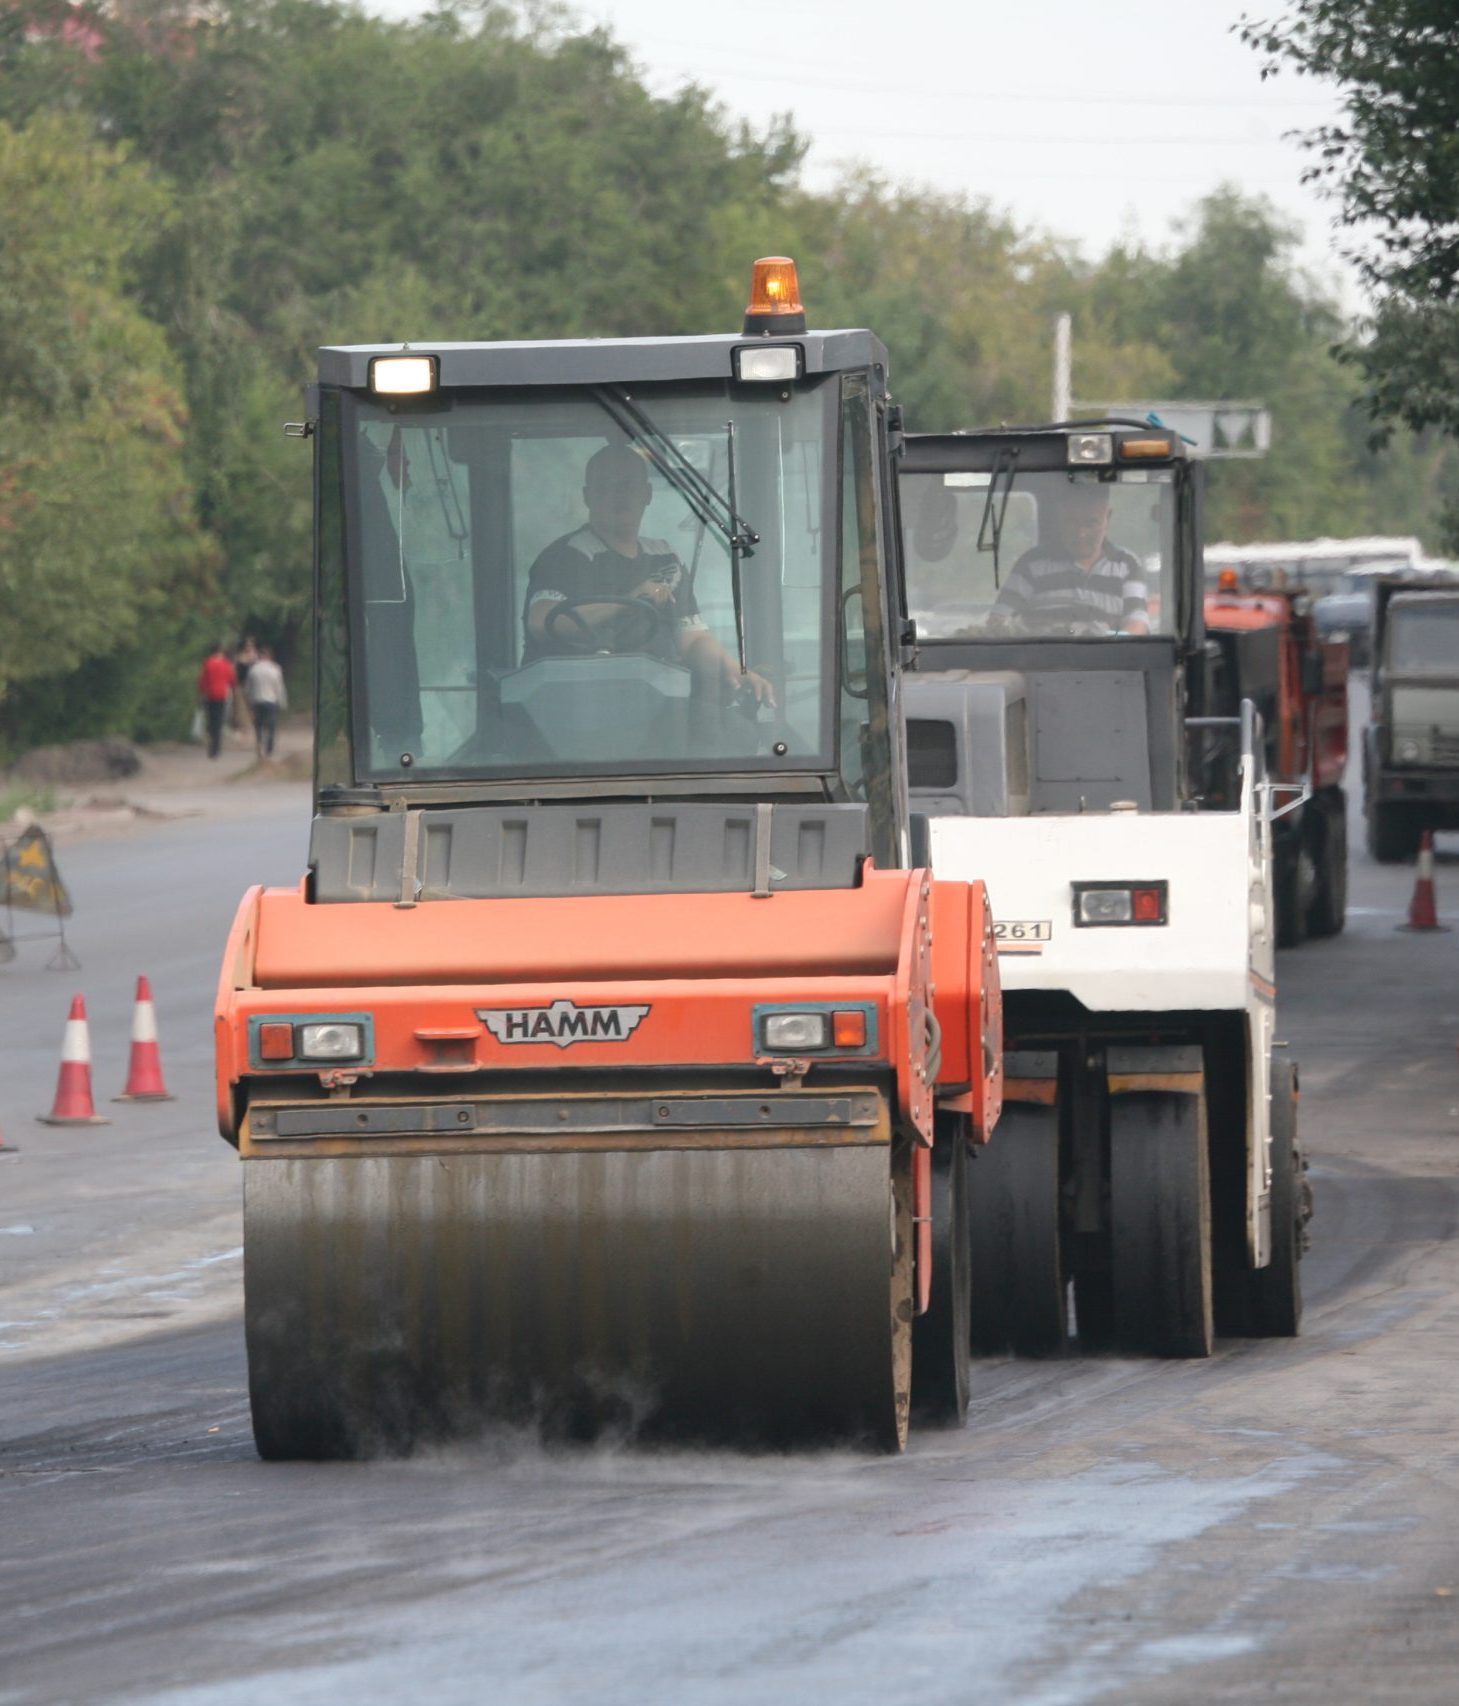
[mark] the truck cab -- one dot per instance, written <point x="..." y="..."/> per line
<point x="1411" y="744"/>
<point x="1265" y="646"/>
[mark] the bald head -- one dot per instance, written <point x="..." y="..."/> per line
<point x="615" y="465"/>
<point x="616" y="491"/>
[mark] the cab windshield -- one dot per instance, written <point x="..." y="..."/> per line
<point x="1049" y="555"/>
<point x="1423" y="639"/>
<point x="569" y="583"/>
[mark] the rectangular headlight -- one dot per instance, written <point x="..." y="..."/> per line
<point x="769" y="364"/>
<point x="402" y="375"/>
<point x="1105" y="906"/>
<point x="333" y="1041"/>
<point x="1091" y="449"/>
<point x="1120" y="903"/>
<point x="780" y="1032"/>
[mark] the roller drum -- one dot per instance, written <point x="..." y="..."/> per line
<point x="718" y="1292"/>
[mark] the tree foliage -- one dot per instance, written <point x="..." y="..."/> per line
<point x="1239" y="321"/>
<point x="1392" y="163"/>
<point x="97" y="531"/>
<point x="195" y="196"/>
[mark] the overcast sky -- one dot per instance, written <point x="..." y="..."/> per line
<point x="1092" y="119"/>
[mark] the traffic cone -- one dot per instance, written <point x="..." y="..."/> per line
<point x="1423" y="913"/>
<point x="73" y="1105"/>
<point x="144" y="1070"/>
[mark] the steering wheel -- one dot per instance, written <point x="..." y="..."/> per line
<point x="583" y="637"/>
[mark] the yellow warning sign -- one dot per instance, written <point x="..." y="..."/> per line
<point x="29" y="878"/>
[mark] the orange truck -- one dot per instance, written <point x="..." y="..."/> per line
<point x="1268" y="649"/>
<point x="612" y="1065"/>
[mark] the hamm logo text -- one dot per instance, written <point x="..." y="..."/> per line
<point x="563" y="1023"/>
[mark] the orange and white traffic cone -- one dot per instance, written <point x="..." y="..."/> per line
<point x="1423" y="912"/>
<point x="144" y="1070"/>
<point x="73" y="1104"/>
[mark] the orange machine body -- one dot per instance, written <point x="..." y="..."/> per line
<point x="456" y="992"/>
<point x="702" y="963"/>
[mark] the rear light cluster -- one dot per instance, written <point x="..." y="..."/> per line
<point x="315" y="1039"/>
<point x="1120" y="903"/>
<point x="815" y="1030"/>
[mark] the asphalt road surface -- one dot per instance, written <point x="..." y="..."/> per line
<point x="1279" y="1523"/>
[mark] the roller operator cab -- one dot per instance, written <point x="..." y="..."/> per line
<point x="1062" y="741"/>
<point x="592" y="1074"/>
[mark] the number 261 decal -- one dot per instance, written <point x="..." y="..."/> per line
<point x="1021" y="935"/>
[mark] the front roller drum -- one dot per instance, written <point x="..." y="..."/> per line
<point x="1160" y="1222"/>
<point x="744" y="1293"/>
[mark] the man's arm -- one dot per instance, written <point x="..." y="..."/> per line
<point x="1135" y="614"/>
<point x="702" y="652"/>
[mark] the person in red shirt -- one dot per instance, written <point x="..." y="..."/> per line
<point x="216" y="681"/>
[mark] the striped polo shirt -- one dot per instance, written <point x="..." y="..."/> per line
<point x="1047" y="593"/>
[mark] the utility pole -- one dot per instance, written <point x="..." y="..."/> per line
<point x="1062" y="361"/>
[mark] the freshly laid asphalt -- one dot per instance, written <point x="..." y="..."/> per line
<point x="1278" y="1523"/>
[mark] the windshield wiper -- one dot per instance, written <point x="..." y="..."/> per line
<point x="711" y="508"/>
<point x="1005" y="467"/>
<point x="738" y="550"/>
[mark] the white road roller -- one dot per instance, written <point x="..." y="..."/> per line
<point x="1060" y="747"/>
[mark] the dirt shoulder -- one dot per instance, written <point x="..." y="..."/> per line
<point x="177" y="780"/>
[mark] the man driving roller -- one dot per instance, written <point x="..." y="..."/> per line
<point x="1074" y="581"/>
<point x="606" y="560"/>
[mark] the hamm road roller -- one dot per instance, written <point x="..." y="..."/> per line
<point x="611" y="1064"/>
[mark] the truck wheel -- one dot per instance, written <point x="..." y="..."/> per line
<point x="1393" y="833"/>
<point x="1287" y="893"/>
<point x="1328" y="912"/>
<point x="1019" y="1300"/>
<point x="1274" y="1307"/>
<point x="940" y="1338"/>
<point x="1094" y="1310"/>
<point x="1160" y="1215"/>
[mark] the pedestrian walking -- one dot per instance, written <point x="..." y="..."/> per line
<point x="216" y="681"/>
<point x="266" y="698"/>
<point x="244" y="659"/>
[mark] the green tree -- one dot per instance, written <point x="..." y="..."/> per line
<point x="341" y="177"/>
<point x="964" y="298"/>
<point x="1392" y="163"/>
<point x="1236" y="319"/>
<point x="98" y="539"/>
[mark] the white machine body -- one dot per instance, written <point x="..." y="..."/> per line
<point x="1215" y="952"/>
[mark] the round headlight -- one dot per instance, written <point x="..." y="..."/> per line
<point x="1408" y="751"/>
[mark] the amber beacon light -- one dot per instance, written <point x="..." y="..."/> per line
<point x="775" y="305"/>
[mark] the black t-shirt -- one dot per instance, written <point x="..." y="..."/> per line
<point x="579" y="566"/>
